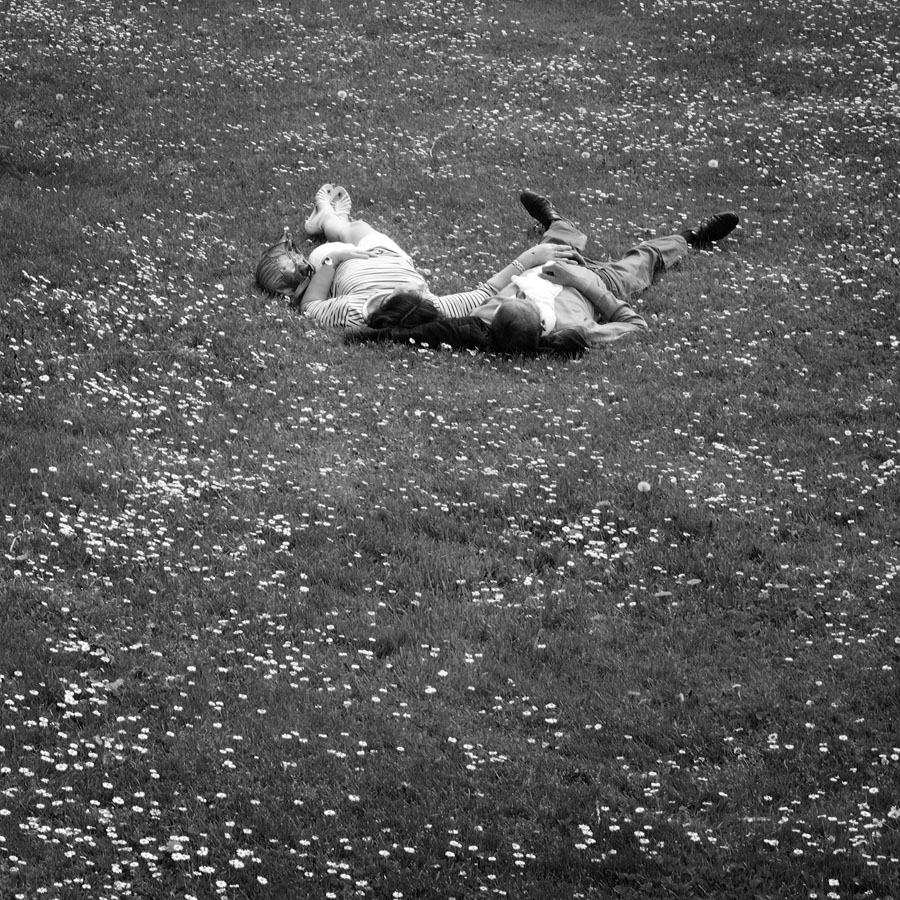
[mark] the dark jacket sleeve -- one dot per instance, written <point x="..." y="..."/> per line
<point x="468" y="333"/>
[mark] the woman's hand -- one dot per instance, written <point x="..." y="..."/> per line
<point x="341" y="252"/>
<point x="542" y="254"/>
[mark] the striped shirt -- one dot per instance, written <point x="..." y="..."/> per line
<point x="357" y="281"/>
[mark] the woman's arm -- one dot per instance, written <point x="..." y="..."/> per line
<point x="339" y="312"/>
<point x="529" y="259"/>
<point x="461" y="304"/>
<point x="316" y="302"/>
<point x="319" y="286"/>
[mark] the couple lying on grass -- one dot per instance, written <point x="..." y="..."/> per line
<point x="550" y="299"/>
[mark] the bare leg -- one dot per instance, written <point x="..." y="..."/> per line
<point x="336" y="228"/>
<point x="331" y="217"/>
<point x="334" y="224"/>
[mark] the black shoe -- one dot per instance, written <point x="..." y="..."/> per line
<point x="539" y="208"/>
<point x="710" y="230"/>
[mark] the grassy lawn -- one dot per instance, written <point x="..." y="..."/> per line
<point x="282" y="618"/>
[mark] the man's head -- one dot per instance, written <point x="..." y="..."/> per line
<point x="516" y="327"/>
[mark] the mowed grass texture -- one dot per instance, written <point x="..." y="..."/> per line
<point x="281" y="618"/>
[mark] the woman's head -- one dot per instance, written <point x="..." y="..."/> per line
<point x="404" y="309"/>
<point x="516" y="327"/>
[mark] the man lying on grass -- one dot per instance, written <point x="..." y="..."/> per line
<point x="566" y="305"/>
<point x="358" y="268"/>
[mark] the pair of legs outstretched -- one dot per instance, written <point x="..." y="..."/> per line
<point x="644" y="262"/>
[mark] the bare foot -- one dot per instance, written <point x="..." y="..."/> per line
<point x="341" y="202"/>
<point x="322" y="208"/>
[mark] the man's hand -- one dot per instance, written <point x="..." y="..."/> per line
<point x="542" y="254"/>
<point x="565" y="273"/>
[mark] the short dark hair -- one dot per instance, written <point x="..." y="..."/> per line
<point x="404" y="309"/>
<point x="516" y="328"/>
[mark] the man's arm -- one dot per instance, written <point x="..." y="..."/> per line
<point x="608" y="307"/>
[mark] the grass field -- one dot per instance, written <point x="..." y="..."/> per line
<point x="281" y="618"/>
